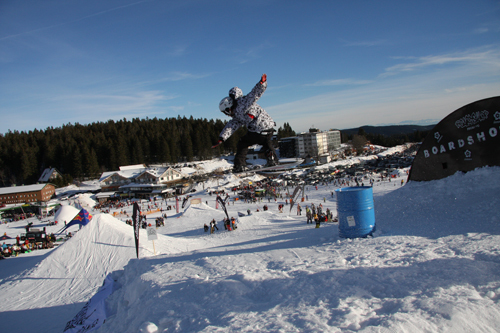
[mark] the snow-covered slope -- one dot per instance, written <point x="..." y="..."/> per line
<point x="433" y="265"/>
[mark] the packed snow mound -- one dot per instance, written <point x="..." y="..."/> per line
<point x="391" y="151"/>
<point x="206" y="166"/>
<point x="227" y="178"/>
<point x="77" y="268"/>
<point x="436" y="208"/>
<point x="104" y="245"/>
<point x="213" y="165"/>
<point x="65" y="214"/>
<point x="274" y="273"/>
<point x="199" y="212"/>
<point x="86" y="186"/>
<point x="255" y="178"/>
<point x="84" y="200"/>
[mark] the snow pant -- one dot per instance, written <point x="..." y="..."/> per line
<point x="250" y="139"/>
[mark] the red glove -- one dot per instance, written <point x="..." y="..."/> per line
<point x="218" y="143"/>
<point x="263" y="78"/>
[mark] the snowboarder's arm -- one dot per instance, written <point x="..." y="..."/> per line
<point x="255" y="94"/>
<point x="218" y="143"/>
<point x="229" y="129"/>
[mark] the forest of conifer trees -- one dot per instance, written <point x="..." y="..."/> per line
<point x="85" y="151"/>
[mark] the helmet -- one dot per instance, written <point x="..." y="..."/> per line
<point x="235" y="93"/>
<point x="225" y="105"/>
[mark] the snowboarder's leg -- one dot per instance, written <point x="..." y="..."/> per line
<point x="240" y="160"/>
<point x="267" y="144"/>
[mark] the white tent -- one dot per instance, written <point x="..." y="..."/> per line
<point x="66" y="213"/>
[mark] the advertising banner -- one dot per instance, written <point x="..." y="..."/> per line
<point x="467" y="139"/>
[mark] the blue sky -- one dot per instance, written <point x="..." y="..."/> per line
<point x="330" y="64"/>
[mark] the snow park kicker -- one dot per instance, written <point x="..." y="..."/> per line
<point x="74" y="271"/>
<point x="65" y="214"/>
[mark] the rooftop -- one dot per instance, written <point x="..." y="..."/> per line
<point x="24" y="188"/>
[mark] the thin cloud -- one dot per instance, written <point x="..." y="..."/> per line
<point x="338" y="82"/>
<point x="253" y="52"/>
<point x="367" y="43"/>
<point x="180" y="76"/>
<point x="481" y="30"/>
<point x="174" y="77"/>
<point x="419" y="95"/>
<point x="72" y="21"/>
<point x="144" y="100"/>
<point x="480" y="57"/>
<point x="178" y="51"/>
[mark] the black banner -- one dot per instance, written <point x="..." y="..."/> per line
<point x="295" y="196"/>
<point x="185" y="201"/>
<point x="223" y="205"/>
<point x="466" y="139"/>
<point x="136" y="217"/>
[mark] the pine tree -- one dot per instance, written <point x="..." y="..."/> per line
<point x="91" y="165"/>
<point x="77" y="167"/>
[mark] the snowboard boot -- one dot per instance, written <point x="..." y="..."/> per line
<point x="239" y="168"/>
<point x="272" y="160"/>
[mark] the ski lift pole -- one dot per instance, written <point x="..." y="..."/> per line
<point x="25" y="217"/>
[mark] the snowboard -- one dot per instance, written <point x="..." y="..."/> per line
<point x="275" y="168"/>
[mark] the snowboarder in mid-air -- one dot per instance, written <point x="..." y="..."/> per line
<point x="245" y="111"/>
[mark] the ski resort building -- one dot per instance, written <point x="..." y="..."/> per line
<point x="49" y="175"/>
<point x="139" y="179"/>
<point x="314" y="143"/>
<point x="26" y="194"/>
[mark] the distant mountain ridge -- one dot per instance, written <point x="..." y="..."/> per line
<point x="389" y="130"/>
<point x="421" y="122"/>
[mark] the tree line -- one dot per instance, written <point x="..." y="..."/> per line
<point x="85" y="151"/>
<point x="362" y="137"/>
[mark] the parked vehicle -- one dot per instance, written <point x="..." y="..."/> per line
<point x="34" y="236"/>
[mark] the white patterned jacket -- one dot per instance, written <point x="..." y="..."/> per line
<point x="248" y="113"/>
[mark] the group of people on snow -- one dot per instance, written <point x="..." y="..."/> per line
<point x="8" y="250"/>
<point x="317" y="215"/>
<point x="229" y="225"/>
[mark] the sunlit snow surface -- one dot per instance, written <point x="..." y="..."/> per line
<point x="433" y="265"/>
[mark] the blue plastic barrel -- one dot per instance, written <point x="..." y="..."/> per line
<point x="355" y="211"/>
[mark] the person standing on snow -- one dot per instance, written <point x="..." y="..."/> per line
<point x="308" y="214"/>
<point x="245" y="111"/>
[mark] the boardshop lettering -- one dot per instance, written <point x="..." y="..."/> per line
<point x="460" y="143"/>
